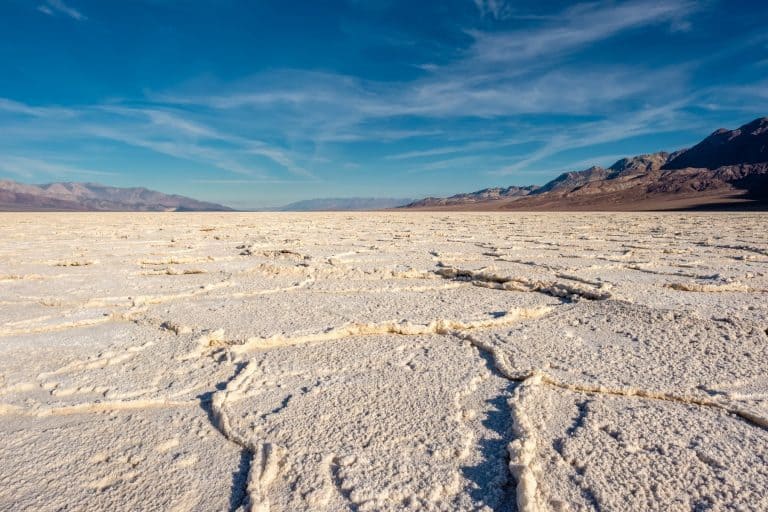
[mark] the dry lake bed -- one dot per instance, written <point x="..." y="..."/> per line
<point x="383" y="361"/>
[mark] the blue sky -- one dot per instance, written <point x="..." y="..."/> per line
<point x="259" y="103"/>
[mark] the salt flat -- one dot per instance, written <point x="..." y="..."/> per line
<point x="384" y="361"/>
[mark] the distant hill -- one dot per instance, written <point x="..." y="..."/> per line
<point x="344" y="204"/>
<point x="71" y="196"/>
<point x="727" y="169"/>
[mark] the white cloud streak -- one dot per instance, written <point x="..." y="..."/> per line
<point x="158" y="129"/>
<point x="652" y="120"/>
<point x="53" y="7"/>
<point x="15" y="107"/>
<point x="574" y="29"/>
<point x="253" y="182"/>
<point x="29" y="168"/>
<point x="500" y="74"/>
<point x="498" y="9"/>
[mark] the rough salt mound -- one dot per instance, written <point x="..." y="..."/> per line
<point x="382" y="452"/>
<point x="384" y="361"/>
<point x="137" y="459"/>
<point x="606" y="452"/>
<point x="669" y="355"/>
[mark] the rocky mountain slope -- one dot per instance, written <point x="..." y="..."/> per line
<point x="487" y="194"/>
<point x="69" y="196"/>
<point x="730" y="167"/>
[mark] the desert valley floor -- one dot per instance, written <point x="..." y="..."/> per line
<point x="383" y="361"/>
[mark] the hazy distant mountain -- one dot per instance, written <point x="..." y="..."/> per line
<point x="344" y="204"/>
<point x="728" y="167"/>
<point x="69" y="196"/>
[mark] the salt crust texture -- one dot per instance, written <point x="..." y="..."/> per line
<point x="383" y="362"/>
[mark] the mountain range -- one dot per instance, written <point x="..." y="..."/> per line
<point x="94" y="197"/>
<point x="727" y="169"/>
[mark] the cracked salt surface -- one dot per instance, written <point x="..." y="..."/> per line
<point x="592" y="451"/>
<point x="383" y="362"/>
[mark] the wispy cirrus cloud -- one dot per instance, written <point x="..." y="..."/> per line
<point x="522" y="137"/>
<point x="26" y="167"/>
<point x="54" y="7"/>
<point x="499" y="74"/>
<point x="175" y="134"/>
<point x="503" y="10"/>
<point x="498" y="9"/>
<point x="442" y="150"/>
<point x="15" y="107"/>
<point x="575" y="28"/>
<point x="155" y="128"/>
<point x="265" y="181"/>
<point x="665" y="118"/>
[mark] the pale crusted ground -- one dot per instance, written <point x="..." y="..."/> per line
<point x="383" y="361"/>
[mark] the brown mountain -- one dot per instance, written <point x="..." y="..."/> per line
<point x="745" y="145"/>
<point x="727" y="169"/>
<point x="485" y="195"/>
<point x="571" y="180"/>
<point x="16" y="196"/>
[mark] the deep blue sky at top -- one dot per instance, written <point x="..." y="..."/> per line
<point x="259" y="103"/>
